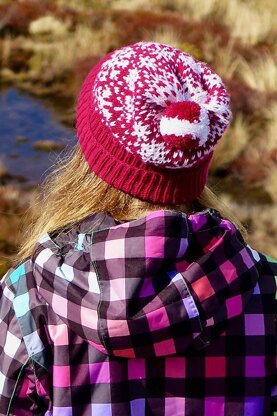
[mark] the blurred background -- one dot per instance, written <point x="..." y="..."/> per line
<point x="47" y="48"/>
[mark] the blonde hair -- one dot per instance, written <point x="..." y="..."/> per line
<point x="72" y="192"/>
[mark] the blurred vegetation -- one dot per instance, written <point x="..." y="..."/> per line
<point x="47" y="47"/>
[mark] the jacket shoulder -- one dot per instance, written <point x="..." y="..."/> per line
<point x="269" y="268"/>
<point x="269" y="264"/>
<point x="28" y="307"/>
<point x="267" y="283"/>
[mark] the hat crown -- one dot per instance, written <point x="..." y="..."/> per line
<point x="138" y="87"/>
<point x="148" y="118"/>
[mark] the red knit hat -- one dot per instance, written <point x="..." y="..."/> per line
<point x="148" y="118"/>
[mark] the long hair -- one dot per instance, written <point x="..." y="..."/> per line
<point x="72" y="192"/>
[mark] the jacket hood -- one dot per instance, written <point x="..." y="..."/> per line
<point x="160" y="285"/>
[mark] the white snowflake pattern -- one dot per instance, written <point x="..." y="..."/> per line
<point x="122" y="63"/>
<point x="103" y="76"/>
<point x="153" y="152"/>
<point x="131" y="78"/>
<point x="106" y="93"/>
<point x="139" y="130"/>
<point x="114" y="73"/>
<point x="106" y="113"/>
<point x="128" y="108"/>
<point x="147" y="62"/>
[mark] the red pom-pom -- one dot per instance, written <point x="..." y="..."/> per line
<point x="184" y="110"/>
<point x="181" y="124"/>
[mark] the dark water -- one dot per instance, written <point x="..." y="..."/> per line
<point x="25" y="117"/>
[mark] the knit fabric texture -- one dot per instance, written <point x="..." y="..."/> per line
<point x="148" y="119"/>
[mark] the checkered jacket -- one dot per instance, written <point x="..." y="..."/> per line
<point x="167" y="315"/>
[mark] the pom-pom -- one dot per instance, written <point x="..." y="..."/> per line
<point x="185" y="125"/>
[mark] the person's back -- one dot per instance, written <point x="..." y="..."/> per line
<point x="139" y="298"/>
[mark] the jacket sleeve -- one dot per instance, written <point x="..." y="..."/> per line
<point x="18" y="382"/>
<point x="269" y="274"/>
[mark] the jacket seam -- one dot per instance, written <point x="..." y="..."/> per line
<point x="16" y="385"/>
<point x="198" y="317"/>
<point x="101" y="329"/>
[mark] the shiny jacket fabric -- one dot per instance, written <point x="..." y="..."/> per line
<point x="165" y="315"/>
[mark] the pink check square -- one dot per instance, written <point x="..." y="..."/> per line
<point x="229" y="271"/>
<point x="175" y="367"/>
<point x="214" y="405"/>
<point x="234" y="306"/>
<point x="61" y="376"/>
<point x="118" y="327"/>
<point x="117" y="289"/>
<point x="115" y="249"/>
<point x="202" y="288"/>
<point x="154" y="247"/>
<point x="174" y="406"/>
<point x="58" y="334"/>
<point x="59" y="305"/>
<point x="215" y="367"/>
<point x="158" y="319"/>
<point x="136" y="369"/>
<point x="166" y="347"/>
<point x="89" y="317"/>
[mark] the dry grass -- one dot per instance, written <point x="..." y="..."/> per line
<point x="52" y="59"/>
<point x="260" y="74"/>
<point x="261" y="221"/>
<point x="225" y="60"/>
<point x="84" y="5"/>
<point x="247" y="22"/>
<point x="133" y="5"/>
<point x="271" y="183"/>
<point x="6" y="50"/>
<point x="270" y="115"/>
<point x="195" y="10"/>
<point x="232" y="143"/>
<point x="251" y="22"/>
<point x="234" y="13"/>
<point x="167" y="36"/>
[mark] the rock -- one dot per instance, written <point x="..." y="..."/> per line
<point x="13" y="155"/>
<point x="15" y="16"/>
<point x="48" y="25"/>
<point x="7" y="74"/>
<point x="3" y="170"/>
<point x="14" y="56"/>
<point x="21" y="139"/>
<point x="48" y="146"/>
<point x="35" y="64"/>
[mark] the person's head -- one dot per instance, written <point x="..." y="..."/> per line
<point x="148" y="119"/>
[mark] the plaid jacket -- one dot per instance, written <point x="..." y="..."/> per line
<point x="165" y="315"/>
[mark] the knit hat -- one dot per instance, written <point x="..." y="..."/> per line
<point x="148" y="118"/>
